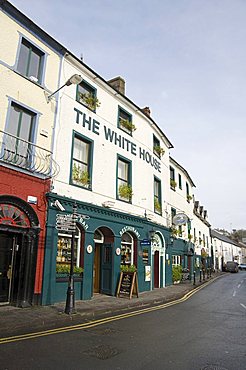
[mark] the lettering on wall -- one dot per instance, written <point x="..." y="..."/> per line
<point x="129" y="228"/>
<point x="116" y="139"/>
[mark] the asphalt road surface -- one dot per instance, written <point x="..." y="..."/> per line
<point x="206" y="332"/>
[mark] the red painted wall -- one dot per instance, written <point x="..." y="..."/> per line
<point x="21" y="185"/>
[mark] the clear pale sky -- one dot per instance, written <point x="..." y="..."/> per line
<point x="186" y="60"/>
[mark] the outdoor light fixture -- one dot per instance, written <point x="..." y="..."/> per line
<point x="75" y="80"/>
<point x="152" y="234"/>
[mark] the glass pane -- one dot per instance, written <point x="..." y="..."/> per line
<point x="14" y="120"/>
<point x="23" y="59"/>
<point x="156" y="189"/>
<point x="25" y="130"/>
<point x="122" y="170"/>
<point x="34" y="65"/>
<point x="81" y="150"/>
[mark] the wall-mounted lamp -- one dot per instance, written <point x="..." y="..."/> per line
<point x="171" y="240"/>
<point x="152" y="234"/>
<point x="75" y="79"/>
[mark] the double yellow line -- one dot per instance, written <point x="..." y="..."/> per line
<point x="103" y="321"/>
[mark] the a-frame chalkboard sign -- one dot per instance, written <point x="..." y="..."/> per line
<point x="128" y="285"/>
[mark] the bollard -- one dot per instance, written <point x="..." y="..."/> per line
<point x="194" y="278"/>
<point x="200" y="276"/>
<point x="210" y="272"/>
<point x="203" y="272"/>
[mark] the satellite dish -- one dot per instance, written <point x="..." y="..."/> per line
<point x="180" y="219"/>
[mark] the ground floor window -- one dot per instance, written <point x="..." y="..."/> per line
<point x="63" y="256"/>
<point x="176" y="260"/>
<point x="127" y="249"/>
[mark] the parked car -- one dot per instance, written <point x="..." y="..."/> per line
<point x="242" y="266"/>
<point x="231" y="266"/>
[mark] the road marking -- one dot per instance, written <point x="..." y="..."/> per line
<point x="239" y="286"/>
<point x="94" y="323"/>
<point x="234" y="293"/>
<point x="243" y="305"/>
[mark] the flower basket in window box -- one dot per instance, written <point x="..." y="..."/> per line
<point x="64" y="270"/>
<point x="159" y="150"/>
<point x="157" y="206"/>
<point x="189" y="198"/>
<point x="128" y="268"/>
<point x="80" y="177"/>
<point x="173" y="184"/>
<point x="125" y="191"/>
<point x="89" y="100"/>
<point x="127" y="124"/>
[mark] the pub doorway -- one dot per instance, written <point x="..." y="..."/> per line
<point x="102" y="265"/>
<point x="18" y="251"/>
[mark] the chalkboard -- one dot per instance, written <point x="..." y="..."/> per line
<point x="128" y="285"/>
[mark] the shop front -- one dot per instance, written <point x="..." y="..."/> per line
<point x="105" y="241"/>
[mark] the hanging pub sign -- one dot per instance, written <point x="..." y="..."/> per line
<point x="128" y="285"/>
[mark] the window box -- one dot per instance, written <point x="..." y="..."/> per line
<point x="87" y="95"/>
<point x="189" y="198"/>
<point x="125" y="121"/>
<point x="158" y="150"/>
<point x="80" y="177"/>
<point x="128" y="125"/>
<point x="173" y="184"/>
<point x="89" y="100"/>
<point x="125" y="191"/>
<point x="157" y="206"/>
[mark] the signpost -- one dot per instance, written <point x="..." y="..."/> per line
<point x="67" y="223"/>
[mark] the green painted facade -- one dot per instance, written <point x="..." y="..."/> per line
<point x="54" y="289"/>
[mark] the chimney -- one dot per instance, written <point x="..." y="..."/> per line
<point x="146" y="111"/>
<point x="118" y="83"/>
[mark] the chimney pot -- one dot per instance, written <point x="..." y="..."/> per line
<point x="146" y="111"/>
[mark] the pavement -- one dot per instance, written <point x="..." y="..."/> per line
<point x="17" y="321"/>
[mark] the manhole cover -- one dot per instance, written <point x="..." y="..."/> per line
<point x="103" y="352"/>
<point x="213" y="367"/>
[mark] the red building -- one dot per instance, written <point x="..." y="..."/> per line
<point x="22" y="236"/>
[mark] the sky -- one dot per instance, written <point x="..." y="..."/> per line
<point x="186" y="60"/>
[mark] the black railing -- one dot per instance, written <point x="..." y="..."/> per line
<point x="24" y="154"/>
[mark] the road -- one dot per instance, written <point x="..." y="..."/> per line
<point x="206" y="332"/>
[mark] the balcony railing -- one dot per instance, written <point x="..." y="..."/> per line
<point x="20" y="153"/>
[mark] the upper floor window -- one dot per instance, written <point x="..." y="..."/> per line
<point x="124" y="187"/>
<point x="18" y="144"/>
<point x="30" y="61"/>
<point x="81" y="162"/>
<point x="125" y="121"/>
<point x="173" y="183"/>
<point x="87" y="95"/>
<point x="157" y="149"/>
<point x="180" y="181"/>
<point x="188" y="196"/>
<point x="157" y="196"/>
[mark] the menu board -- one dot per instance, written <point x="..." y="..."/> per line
<point x="128" y="285"/>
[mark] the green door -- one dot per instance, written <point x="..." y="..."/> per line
<point x="106" y="269"/>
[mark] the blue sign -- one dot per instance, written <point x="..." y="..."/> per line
<point x="145" y="242"/>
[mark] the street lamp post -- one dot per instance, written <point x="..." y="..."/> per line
<point x="70" y="302"/>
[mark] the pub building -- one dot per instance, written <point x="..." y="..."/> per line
<point x="114" y="165"/>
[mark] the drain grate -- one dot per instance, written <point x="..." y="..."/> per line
<point x="213" y="367"/>
<point x="102" y="352"/>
